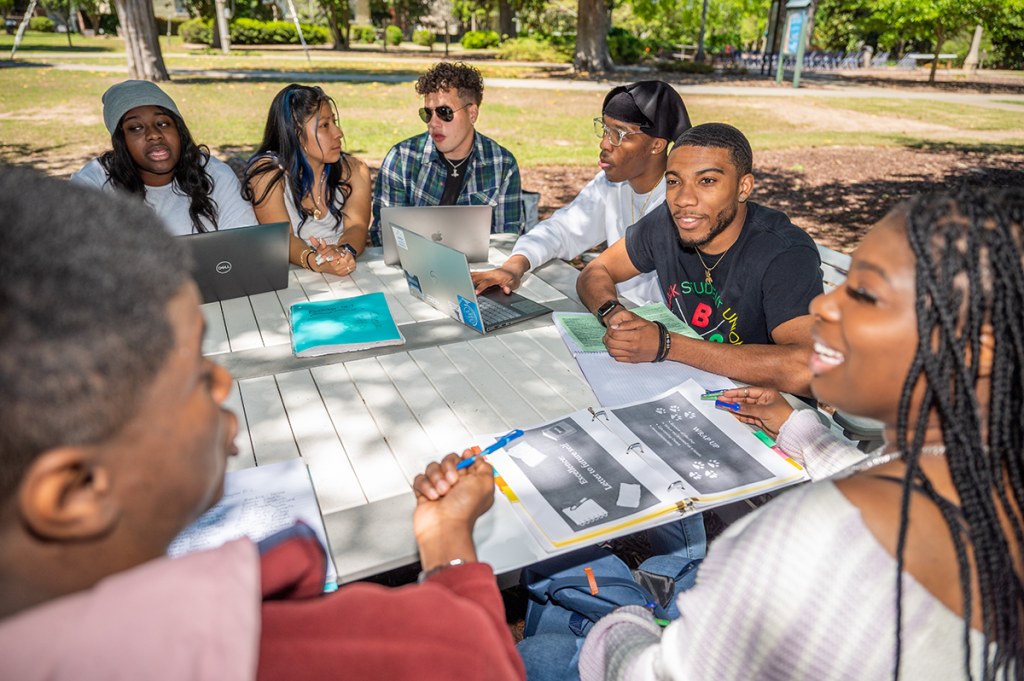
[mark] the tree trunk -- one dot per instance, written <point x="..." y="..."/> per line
<point x="940" y="37"/>
<point x="339" y="23"/>
<point x="700" y="37"/>
<point x="138" y="25"/>
<point x="506" y="25"/>
<point x="592" y="37"/>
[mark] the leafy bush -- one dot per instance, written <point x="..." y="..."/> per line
<point x="41" y="24"/>
<point x="363" y="34"/>
<point x="197" y="31"/>
<point x="478" y="40"/>
<point x="424" y="38"/>
<point x="253" y="32"/>
<point x="161" y="25"/>
<point x="532" y="49"/>
<point x="685" y="67"/>
<point x="393" y="35"/>
<point x="625" y="48"/>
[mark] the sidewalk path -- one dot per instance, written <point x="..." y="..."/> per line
<point x="835" y="89"/>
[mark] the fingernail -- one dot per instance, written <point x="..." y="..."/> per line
<point x="330" y="258"/>
<point x="319" y="260"/>
<point x="731" y="406"/>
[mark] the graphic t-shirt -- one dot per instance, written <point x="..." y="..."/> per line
<point x="768" y="277"/>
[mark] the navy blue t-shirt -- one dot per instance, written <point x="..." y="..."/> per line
<point x="766" y="278"/>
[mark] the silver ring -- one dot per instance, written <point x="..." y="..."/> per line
<point x="746" y="392"/>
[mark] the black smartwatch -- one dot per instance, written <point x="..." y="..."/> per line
<point x="607" y="308"/>
<point x="348" y="247"/>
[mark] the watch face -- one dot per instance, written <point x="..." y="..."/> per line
<point x="607" y="308"/>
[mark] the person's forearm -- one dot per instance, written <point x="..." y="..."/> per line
<point x="595" y="287"/>
<point x="444" y="543"/>
<point x="355" y="237"/>
<point x="782" y="367"/>
<point x="517" y="264"/>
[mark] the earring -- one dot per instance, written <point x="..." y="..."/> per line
<point x="742" y="199"/>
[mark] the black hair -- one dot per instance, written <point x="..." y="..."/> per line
<point x="465" y="79"/>
<point x="969" y="274"/>
<point x="190" y="173"/>
<point x="281" y="157"/>
<point x="721" y="136"/>
<point x="83" y="330"/>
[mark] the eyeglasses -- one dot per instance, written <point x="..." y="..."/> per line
<point x="614" y="135"/>
<point x="444" y="112"/>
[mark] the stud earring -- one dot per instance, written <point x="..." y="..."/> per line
<point x="742" y="199"/>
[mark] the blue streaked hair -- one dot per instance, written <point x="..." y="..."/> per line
<point x="282" y="146"/>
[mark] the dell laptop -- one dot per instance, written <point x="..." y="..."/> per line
<point x="464" y="228"/>
<point x="232" y="263"/>
<point x="440" y="276"/>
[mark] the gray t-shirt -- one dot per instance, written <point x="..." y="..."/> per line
<point x="171" y="204"/>
<point x="766" y="278"/>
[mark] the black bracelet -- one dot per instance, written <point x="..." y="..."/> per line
<point x="662" y="332"/>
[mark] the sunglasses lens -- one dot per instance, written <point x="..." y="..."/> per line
<point x="445" y="113"/>
<point x="425" y="115"/>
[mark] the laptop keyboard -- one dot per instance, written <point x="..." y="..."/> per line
<point x="495" y="314"/>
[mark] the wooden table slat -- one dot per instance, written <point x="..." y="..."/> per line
<point x="272" y="439"/>
<point x="397" y="424"/>
<point x="462" y="398"/>
<point x="243" y="331"/>
<point x="335" y="482"/>
<point x="500" y="396"/>
<point x="559" y="379"/>
<point x="442" y="426"/>
<point x="270" y="318"/>
<point x="244" y="458"/>
<point x="522" y="377"/>
<point x="215" y="342"/>
<point x="549" y="339"/>
<point x="375" y="466"/>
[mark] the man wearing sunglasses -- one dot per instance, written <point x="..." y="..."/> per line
<point x="636" y="125"/>
<point x="451" y="164"/>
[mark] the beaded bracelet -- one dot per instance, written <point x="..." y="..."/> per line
<point x="304" y="258"/>
<point x="664" y="343"/>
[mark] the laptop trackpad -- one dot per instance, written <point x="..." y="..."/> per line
<point x="528" y="306"/>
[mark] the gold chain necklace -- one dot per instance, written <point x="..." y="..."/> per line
<point x="707" y="270"/>
<point x="633" y="196"/>
<point x="317" y="213"/>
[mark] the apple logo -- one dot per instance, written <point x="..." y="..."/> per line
<point x="436" y="236"/>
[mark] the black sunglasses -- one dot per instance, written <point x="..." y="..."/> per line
<point x="444" y="112"/>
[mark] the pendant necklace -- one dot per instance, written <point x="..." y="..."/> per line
<point x="707" y="270"/>
<point x="632" y="198"/>
<point x="317" y="213"/>
<point x="455" y="166"/>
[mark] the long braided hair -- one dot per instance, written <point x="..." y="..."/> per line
<point x="190" y="173"/>
<point x="281" y="157"/>
<point x="969" y="275"/>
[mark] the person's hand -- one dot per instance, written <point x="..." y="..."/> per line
<point x="331" y="259"/>
<point x="762" y="407"/>
<point x="630" y="338"/>
<point x="448" y="504"/>
<point x="509" y="276"/>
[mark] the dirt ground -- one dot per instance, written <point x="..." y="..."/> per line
<point x="834" y="193"/>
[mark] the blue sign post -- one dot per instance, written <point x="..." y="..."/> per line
<point x="795" y="38"/>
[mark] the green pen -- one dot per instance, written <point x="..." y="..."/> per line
<point x="713" y="394"/>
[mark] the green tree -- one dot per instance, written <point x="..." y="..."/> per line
<point x="938" y="20"/>
<point x="62" y="9"/>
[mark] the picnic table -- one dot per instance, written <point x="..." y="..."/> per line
<point x="366" y="423"/>
<point x="909" y="62"/>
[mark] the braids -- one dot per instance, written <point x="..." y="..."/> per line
<point x="190" y="173"/>
<point x="969" y="276"/>
<point x="280" y="155"/>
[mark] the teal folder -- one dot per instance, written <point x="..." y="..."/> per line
<point x="344" y="325"/>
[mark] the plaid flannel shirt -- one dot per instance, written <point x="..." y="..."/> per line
<point x="413" y="174"/>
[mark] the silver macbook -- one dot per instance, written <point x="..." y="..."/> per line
<point x="440" y="276"/>
<point x="464" y="228"/>
<point x="232" y="263"/>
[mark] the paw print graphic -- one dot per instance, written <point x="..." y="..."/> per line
<point x="694" y="475"/>
<point x="659" y="410"/>
<point x="711" y="474"/>
<point x="698" y="464"/>
<point x="677" y="417"/>
<point x="689" y="414"/>
<point x="675" y="407"/>
<point x="714" y="463"/>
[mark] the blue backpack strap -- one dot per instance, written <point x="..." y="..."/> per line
<point x="583" y="584"/>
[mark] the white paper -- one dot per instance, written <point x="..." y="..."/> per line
<point x="258" y="502"/>
<point x="617" y="383"/>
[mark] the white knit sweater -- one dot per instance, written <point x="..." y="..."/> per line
<point x="799" y="589"/>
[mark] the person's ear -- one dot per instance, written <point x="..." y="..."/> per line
<point x="659" y="146"/>
<point x="746" y="187"/>
<point x="65" y="495"/>
<point x="474" y="112"/>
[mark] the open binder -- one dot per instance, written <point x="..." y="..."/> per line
<point x="600" y="473"/>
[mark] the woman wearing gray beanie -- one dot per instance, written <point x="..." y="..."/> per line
<point x="155" y="158"/>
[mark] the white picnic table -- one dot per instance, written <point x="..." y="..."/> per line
<point x="366" y="423"/>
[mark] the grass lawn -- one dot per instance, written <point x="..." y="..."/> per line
<point x="34" y="41"/>
<point x="48" y="113"/>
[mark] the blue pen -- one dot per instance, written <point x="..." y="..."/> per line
<point x="504" y="440"/>
<point x="731" y="406"/>
<point x="709" y="394"/>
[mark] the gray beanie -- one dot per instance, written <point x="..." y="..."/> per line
<point x="123" y="97"/>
